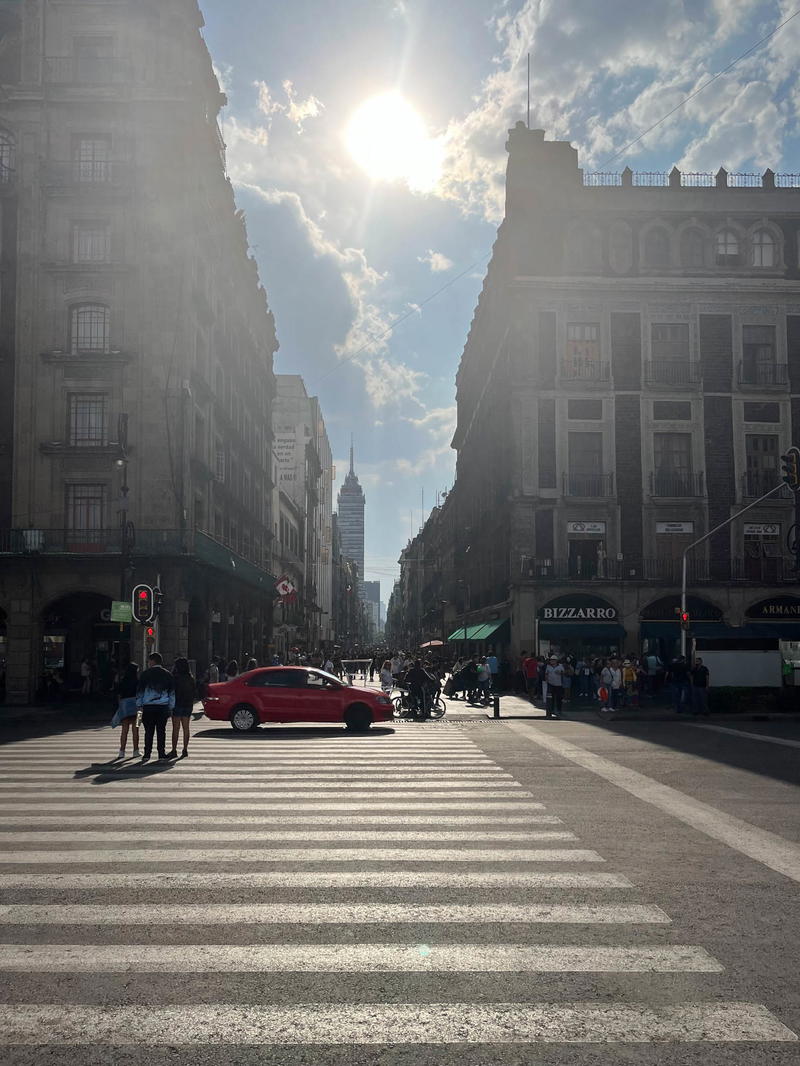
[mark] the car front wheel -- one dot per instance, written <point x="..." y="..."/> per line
<point x="358" y="719"/>
<point x="244" y="719"/>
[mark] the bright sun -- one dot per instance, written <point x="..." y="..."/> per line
<point x="388" y="140"/>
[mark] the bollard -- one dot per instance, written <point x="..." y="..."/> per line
<point x="496" y="702"/>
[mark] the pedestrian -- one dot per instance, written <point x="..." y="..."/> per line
<point x="614" y="683"/>
<point x="629" y="682"/>
<point x="554" y="679"/>
<point x="494" y="669"/>
<point x="328" y="666"/>
<point x="678" y="676"/>
<point x="231" y="670"/>
<point x="654" y="668"/>
<point x="127" y="711"/>
<point x="371" y="670"/>
<point x="251" y="665"/>
<point x="583" y="670"/>
<point x="701" y="681"/>
<point x="86" y="676"/>
<point x="213" y="671"/>
<point x="484" y="680"/>
<point x="386" y="679"/>
<point x="185" y="695"/>
<point x="155" y="695"/>
<point x="569" y="673"/>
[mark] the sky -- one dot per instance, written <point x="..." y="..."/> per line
<point x="366" y="147"/>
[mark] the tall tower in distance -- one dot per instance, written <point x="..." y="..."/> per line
<point x="351" y="521"/>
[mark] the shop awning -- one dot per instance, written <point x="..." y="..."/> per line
<point x="582" y="630"/>
<point x="465" y="633"/>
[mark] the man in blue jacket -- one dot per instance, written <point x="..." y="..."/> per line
<point x="156" y="697"/>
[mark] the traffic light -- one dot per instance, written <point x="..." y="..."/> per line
<point x="684" y="619"/>
<point x="158" y="600"/>
<point x="142" y="604"/>
<point x="791" y="468"/>
<point x="150" y="635"/>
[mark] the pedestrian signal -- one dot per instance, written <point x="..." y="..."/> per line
<point x="684" y="619"/>
<point x="143" y="604"/>
<point x="791" y="468"/>
<point x="150" y="633"/>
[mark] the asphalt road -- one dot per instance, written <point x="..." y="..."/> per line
<point x="471" y="891"/>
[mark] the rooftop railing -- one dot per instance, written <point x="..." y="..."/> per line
<point x="676" y="179"/>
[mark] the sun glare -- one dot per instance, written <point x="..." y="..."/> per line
<point x="389" y="141"/>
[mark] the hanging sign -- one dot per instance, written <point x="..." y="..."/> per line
<point x="674" y="527"/>
<point x="586" y="527"/>
<point x="762" y="529"/>
<point x="121" y="611"/>
<point x="286" y="589"/>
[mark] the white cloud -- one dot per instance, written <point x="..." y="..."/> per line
<point x="298" y="111"/>
<point x="437" y="261"/>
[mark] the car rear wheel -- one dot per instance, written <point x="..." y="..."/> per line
<point x="358" y="718"/>
<point x="244" y="718"/>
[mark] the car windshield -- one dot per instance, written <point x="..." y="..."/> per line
<point x="322" y="677"/>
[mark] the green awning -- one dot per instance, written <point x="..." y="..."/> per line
<point x="465" y="632"/>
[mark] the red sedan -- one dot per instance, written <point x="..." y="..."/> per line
<point x="294" y="694"/>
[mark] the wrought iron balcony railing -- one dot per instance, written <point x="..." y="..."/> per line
<point x="88" y="172"/>
<point x="86" y="70"/>
<point x="677" y="484"/>
<point x="672" y="372"/>
<point x="575" y="369"/>
<point x="588" y="484"/>
<point x="768" y="375"/>
<point x="757" y="483"/>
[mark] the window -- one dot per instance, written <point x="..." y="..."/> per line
<point x="218" y="525"/>
<point x="93" y="59"/>
<point x="672" y="411"/>
<point x="85" y="506"/>
<point x="91" y="242"/>
<point x="762" y="551"/>
<point x="758" y="355"/>
<point x="219" y="460"/>
<point x="583" y="350"/>
<point x="761" y="453"/>
<point x="7" y="156"/>
<point x="90" y="328"/>
<point x="588" y="410"/>
<point x="762" y="412"/>
<point x="763" y="249"/>
<point x="87" y="420"/>
<point x="727" y="248"/>
<point x="693" y="249"/>
<point x="672" y="453"/>
<point x="91" y="159"/>
<point x="670" y="340"/>
<point x="585" y="464"/>
<point x="656" y="248"/>
<point x="278" y="679"/>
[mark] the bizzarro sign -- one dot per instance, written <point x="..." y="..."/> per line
<point x="578" y="609"/>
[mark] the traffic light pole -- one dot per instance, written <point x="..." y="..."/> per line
<point x="700" y="540"/>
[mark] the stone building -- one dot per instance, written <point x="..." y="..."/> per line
<point x="630" y="379"/>
<point x="136" y="347"/>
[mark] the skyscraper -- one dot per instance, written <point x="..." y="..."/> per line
<point x="351" y="522"/>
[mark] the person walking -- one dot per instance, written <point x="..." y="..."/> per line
<point x="554" y="679"/>
<point x="678" y="676"/>
<point x="127" y="711"/>
<point x="155" y="695"/>
<point x="386" y="679"/>
<point x="251" y="665"/>
<point x="231" y="670"/>
<point x="701" y="680"/>
<point x="185" y="695"/>
<point x="86" y="676"/>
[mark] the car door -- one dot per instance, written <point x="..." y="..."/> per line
<point x="323" y="697"/>
<point x="273" y="694"/>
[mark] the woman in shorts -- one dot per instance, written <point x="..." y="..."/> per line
<point x="185" y="695"/>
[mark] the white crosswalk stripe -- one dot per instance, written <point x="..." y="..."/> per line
<point x="408" y="853"/>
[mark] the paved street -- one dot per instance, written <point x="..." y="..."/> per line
<point x="468" y="891"/>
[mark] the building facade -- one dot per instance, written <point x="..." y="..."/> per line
<point x="137" y="348"/>
<point x="630" y="380"/>
<point x="350" y="509"/>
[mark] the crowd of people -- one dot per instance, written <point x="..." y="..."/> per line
<point x="615" y="682"/>
<point x="147" y="700"/>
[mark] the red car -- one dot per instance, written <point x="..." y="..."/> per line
<point x="294" y="694"/>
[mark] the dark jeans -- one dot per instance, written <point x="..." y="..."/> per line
<point x="681" y="694"/>
<point x="154" y="720"/>
<point x="699" y="700"/>
<point x="557" y="694"/>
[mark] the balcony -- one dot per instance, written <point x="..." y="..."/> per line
<point x="756" y="483"/>
<point x="764" y="570"/>
<point x="763" y="375"/>
<point x="677" y="485"/>
<point x="677" y="373"/>
<point x="88" y="173"/>
<point x="585" y="370"/>
<point x="86" y="70"/>
<point x="588" y="485"/>
<point x="651" y="571"/>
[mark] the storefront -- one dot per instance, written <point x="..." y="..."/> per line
<point x="580" y="626"/>
<point x="778" y="618"/>
<point x="660" y="624"/>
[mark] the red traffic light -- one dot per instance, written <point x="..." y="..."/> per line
<point x="142" y="594"/>
<point x="150" y="632"/>
<point x="143" y="604"/>
<point x="684" y="619"/>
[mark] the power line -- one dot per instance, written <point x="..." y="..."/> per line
<point x="697" y="91"/>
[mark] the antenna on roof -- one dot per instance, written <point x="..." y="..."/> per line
<point x="529" y="90"/>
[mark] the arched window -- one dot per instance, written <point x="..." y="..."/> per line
<point x="7" y="152"/>
<point x="693" y="248"/>
<point x="585" y="250"/>
<point x="727" y="248"/>
<point x="763" y="248"/>
<point x="90" y="329"/>
<point x="656" y="248"/>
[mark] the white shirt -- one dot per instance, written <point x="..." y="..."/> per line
<point x="328" y="666"/>
<point x="554" y="675"/>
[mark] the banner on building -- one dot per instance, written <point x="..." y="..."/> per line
<point x="286" y="589"/>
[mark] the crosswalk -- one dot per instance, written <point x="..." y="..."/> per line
<point x="291" y="889"/>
